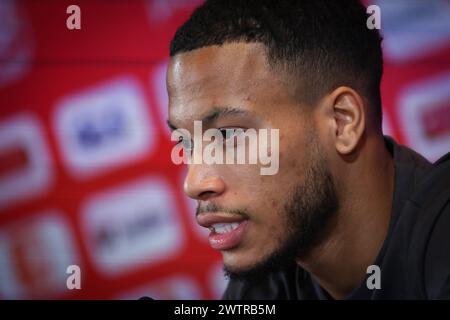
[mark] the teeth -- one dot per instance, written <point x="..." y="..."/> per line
<point x="224" y="227"/>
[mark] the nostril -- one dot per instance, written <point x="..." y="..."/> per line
<point x="205" y="195"/>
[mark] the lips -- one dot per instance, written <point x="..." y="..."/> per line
<point x="227" y="232"/>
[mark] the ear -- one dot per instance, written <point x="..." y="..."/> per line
<point x="349" y="119"/>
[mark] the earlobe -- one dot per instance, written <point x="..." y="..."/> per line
<point x="349" y="118"/>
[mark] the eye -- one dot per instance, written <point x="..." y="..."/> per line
<point x="186" y="144"/>
<point x="230" y="133"/>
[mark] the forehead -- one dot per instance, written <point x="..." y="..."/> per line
<point x="205" y="67"/>
<point x="232" y="75"/>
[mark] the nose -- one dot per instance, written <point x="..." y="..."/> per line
<point x="201" y="183"/>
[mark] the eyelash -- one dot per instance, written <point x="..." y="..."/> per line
<point x="182" y="140"/>
<point x="222" y="130"/>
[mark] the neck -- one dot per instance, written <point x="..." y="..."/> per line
<point x="339" y="263"/>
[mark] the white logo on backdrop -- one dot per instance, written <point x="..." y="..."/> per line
<point x="414" y="28"/>
<point x="132" y="226"/>
<point x="24" y="156"/>
<point x="34" y="255"/>
<point x="103" y="127"/>
<point x="424" y="109"/>
<point x="15" y="43"/>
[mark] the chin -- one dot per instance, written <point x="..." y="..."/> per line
<point x="237" y="271"/>
<point x="245" y="271"/>
<point x="242" y="261"/>
<point x="239" y="260"/>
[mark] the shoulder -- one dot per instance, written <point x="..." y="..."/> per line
<point x="437" y="256"/>
<point x="424" y="231"/>
<point x="434" y="201"/>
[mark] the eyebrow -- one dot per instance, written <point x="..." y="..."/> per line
<point x="215" y="114"/>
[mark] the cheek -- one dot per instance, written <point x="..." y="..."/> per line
<point x="259" y="194"/>
<point x="263" y="195"/>
<point x="241" y="178"/>
<point x="267" y="200"/>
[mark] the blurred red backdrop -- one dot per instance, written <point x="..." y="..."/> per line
<point x="85" y="172"/>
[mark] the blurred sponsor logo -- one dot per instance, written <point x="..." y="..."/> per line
<point x="15" y="43"/>
<point x="132" y="226"/>
<point x="413" y="28"/>
<point x="103" y="127"/>
<point x="177" y="287"/>
<point x="34" y="255"/>
<point x="436" y="122"/>
<point x="25" y="169"/>
<point x="425" y="115"/>
<point x="12" y="160"/>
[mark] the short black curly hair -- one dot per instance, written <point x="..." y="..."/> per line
<point x="323" y="44"/>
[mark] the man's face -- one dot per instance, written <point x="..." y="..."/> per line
<point x="257" y="221"/>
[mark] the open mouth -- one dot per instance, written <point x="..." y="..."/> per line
<point x="222" y="228"/>
<point x="227" y="231"/>
<point x="225" y="236"/>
